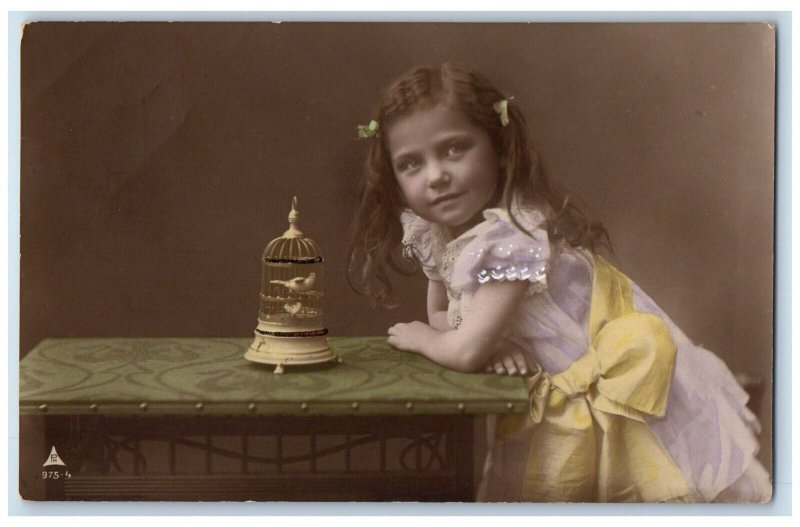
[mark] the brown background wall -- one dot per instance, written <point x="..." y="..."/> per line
<point x="159" y="159"/>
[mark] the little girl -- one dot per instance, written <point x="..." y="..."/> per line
<point x="623" y="406"/>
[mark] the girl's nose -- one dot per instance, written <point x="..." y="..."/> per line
<point x="437" y="175"/>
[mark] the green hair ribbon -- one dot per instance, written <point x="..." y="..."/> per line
<point x="501" y="107"/>
<point x="366" y="131"/>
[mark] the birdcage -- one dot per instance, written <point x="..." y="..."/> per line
<point x="290" y="318"/>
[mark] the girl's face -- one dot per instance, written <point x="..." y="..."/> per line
<point x="446" y="166"/>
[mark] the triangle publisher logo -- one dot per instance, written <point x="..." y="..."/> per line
<point x="53" y="459"/>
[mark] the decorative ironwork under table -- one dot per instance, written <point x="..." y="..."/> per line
<point x="191" y="419"/>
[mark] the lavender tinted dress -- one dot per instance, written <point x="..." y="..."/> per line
<point x="705" y="429"/>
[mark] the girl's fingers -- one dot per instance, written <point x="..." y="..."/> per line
<point x="508" y="362"/>
<point x="499" y="368"/>
<point x="519" y="360"/>
<point x="490" y="364"/>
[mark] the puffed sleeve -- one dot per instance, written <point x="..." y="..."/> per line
<point x="418" y="244"/>
<point x="501" y="251"/>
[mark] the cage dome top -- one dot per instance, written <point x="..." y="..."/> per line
<point x="292" y="245"/>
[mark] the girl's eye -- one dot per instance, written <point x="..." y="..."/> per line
<point x="407" y="165"/>
<point x="455" y="150"/>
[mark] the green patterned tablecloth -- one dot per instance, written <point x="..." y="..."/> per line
<point x="211" y="376"/>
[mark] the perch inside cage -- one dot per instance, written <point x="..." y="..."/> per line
<point x="290" y="318"/>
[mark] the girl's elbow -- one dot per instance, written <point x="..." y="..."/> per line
<point x="464" y="365"/>
<point x="465" y="353"/>
<point x="473" y="358"/>
<point x="472" y="366"/>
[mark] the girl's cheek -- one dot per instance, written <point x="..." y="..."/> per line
<point x="401" y="195"/>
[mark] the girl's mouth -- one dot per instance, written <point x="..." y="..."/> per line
<point x="445" y="197"/>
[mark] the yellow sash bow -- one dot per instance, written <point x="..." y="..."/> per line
<point x="590" y="441"/>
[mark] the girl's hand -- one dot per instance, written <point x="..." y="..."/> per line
<point x="411" y="336"/>
<point x="509" y="359"/>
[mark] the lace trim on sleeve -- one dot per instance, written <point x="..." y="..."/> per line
<point x="509" y="273"/>
<point x="410" y="251"/>
<point x="417" y="244"/>
<point x="454" y="317"/>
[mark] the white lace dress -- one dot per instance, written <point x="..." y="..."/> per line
<point x="707" y="429"/>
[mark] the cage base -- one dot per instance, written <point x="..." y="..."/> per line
<point x="289" y="351"/>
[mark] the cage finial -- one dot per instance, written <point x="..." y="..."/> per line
<point x="293" y="231"/>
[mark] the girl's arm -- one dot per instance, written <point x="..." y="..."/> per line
<point x="469" y="347"/>
<point x="437" y="306"/>
<point x="506" y="358"/>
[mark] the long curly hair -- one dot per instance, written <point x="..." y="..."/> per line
<point x="376" y="229"/>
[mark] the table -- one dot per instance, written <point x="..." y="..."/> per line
<point x="191" y="419"/>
